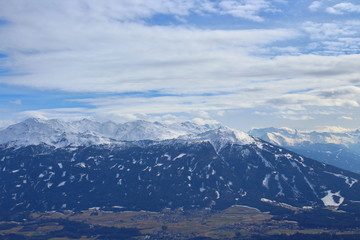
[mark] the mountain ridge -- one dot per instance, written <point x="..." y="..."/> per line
<point x="341" y="149"/>
<point x="206" y="168"/>
<point x="54" y="132"/>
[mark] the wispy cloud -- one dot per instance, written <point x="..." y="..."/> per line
<point x="16" y="102"/>
<point x="343" y="8"/>
<point x="315" y="5"/>
<point x="248" y="9"/>
<point x="119" y="57"/>
<point x="331" y="29"/>
<point x="333" y="38"/>
<point x="345" y="96"/>
<point x="346" y="118"/>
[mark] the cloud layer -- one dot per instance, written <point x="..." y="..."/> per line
<point x="155" y="58"/>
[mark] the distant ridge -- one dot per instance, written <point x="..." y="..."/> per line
<point x="339" y="148"/>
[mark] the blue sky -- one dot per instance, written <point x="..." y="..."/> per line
<point x="244" y="63"/>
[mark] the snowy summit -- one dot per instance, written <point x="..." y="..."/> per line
<point x="34" y="131"/>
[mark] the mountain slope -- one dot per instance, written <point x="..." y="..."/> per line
<point x="340" y="149"/>
<point x="212" y="169"/>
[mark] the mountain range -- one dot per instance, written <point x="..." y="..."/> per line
<point x="58" y="133"/>
<point x="338" y="148"/>
<point x="54" y="165"/>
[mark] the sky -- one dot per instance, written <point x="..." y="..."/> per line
<point x="244" y="63"/>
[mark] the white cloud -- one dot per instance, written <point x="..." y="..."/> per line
<point x="328" y="103"/>
<point x="91" y="11"/>
<point x="333" y="38"/>
<point x="201" y="121"/>
<point x="279" y="83"/>
<point x="58" y="113"/>
<point x="346" y="118"/>
<point x="108" y="47"/>
<point x="95" y="10"/>
<point x="245" y="9"/>
<point x="120" y="57"/>
<point x="344" y="7"/>
<point x="315" y="5"/>
<point x="297" y="118"/>
<point x="336" y="97"/>
<point x="331" y="29"/>
<point x="349" y="92"/>
<point x="56" y="48"/>
<point x="333" y="129"/>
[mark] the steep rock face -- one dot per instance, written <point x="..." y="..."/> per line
<point x="340" y="149"/>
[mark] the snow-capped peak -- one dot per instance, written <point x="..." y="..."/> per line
<point x="222" y="136"/>
<point x="144" y="130"/>
<point x="34" y="131"/>
<point x="291" y="137"/>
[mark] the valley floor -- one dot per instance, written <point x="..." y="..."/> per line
<point x="237" y="222"/>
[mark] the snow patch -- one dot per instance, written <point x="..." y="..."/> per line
<point x="348" y="180"/>
<point x="82" y="165"/>
<point x="329" y="200"/>
<point x="265" y="182"/>
<point x="179" y="156"/>
<point x="167" y="156"/>
<point x="217" y="194"/>
<point x="61" y="184"/>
